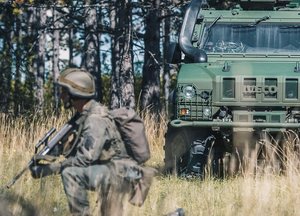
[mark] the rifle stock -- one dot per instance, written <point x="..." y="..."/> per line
<point x="49" y="145"/>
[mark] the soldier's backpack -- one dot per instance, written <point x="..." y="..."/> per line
<point x="132" y="130"/>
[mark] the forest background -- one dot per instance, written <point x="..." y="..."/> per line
<point x="122" y="43"/>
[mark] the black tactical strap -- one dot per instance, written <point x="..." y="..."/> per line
<point x="80" y="122"/>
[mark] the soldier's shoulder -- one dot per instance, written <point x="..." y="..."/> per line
<point x="99" y="109"/>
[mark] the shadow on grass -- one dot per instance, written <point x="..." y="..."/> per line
<point x="12" y="204"/>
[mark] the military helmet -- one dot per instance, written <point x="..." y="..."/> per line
<point x="79" y="82"/>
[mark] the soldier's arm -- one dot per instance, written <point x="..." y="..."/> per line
<point x="94" y="135"/>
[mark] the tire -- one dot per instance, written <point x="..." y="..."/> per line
<point x="216" y="162"/>
<point x="177" y="146"/>
<point x="244" y="155"/>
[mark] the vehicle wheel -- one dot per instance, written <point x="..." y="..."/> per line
<point x="243" y="158"/>
<point x="290" y="150"/>
<point x="215" y="164"/>
<point x="177" y="145"/>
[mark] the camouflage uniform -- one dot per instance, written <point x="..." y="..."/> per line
<point x="92" y="164"/>
<point x="97" y="159"/>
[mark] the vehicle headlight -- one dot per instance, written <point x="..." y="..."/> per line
<point x="189" y="92"/>
<point x="206" y="112"/>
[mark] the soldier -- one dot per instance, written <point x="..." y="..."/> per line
<point x="97" y="160"/>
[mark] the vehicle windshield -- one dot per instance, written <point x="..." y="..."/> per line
<point x="264" y="38"/>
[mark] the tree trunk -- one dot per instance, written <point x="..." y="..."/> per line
<point x="150" y="98"/>
<point x="18" y="57"/>
<point x="166" y="77"/>
<point x="122" y="75"/>
<point x="6" y="62"/>
<point x="29" y="44"/>
<point x="115" y="95"/>
<point x="91" y="57"/>
<point x="70" y="39"/>
<point x="56" y="40"/>
<point x="40" y="73"/>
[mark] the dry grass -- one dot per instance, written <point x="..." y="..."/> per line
<point x="265" y="194"/>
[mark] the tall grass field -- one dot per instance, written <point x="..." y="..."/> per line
<point x="268" y="193"/>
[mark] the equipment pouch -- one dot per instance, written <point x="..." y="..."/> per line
<point x="139" y="178"/>
<point x="140" y="187"/>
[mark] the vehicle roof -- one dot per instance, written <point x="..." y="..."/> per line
<point x="249" y="15"/>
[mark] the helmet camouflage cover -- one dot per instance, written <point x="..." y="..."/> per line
<point x="79" y="82"/>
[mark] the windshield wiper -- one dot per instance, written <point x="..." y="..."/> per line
<point x="260" y="20"/>
<point x="213" y="23"/>
<point x="253" y="24"/>
<point x="206" y="34"/>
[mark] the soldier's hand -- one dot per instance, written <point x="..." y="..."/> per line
<point x="43" y="170"/>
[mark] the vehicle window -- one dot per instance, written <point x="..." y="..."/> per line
<point x="245" y="38"/>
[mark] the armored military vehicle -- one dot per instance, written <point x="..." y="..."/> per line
<point x="237" y="93"/>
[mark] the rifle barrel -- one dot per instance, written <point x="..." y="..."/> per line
<point x="48" y="147"/>
<point x="12" y="182"/>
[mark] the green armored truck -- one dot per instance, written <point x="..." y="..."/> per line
<point x="237" y="97"/>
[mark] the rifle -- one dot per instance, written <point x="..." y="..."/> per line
<point x="48" y="145"/>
